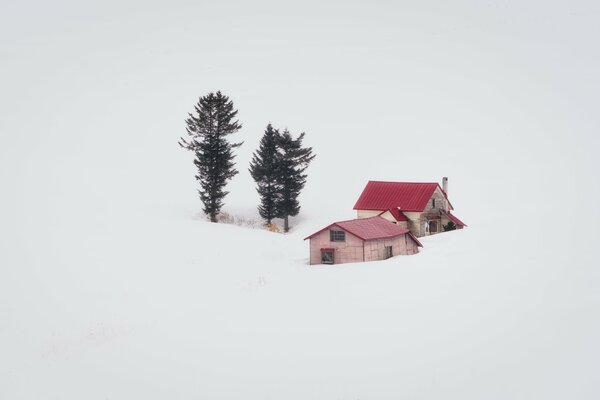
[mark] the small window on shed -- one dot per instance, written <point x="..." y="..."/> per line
<point x="326" y="257"/>
<point x="337" y="236"/>
<point x="388" y="251"/>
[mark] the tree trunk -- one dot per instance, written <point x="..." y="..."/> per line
<point x="286" y="224"/>
<point x="213" y="217"/>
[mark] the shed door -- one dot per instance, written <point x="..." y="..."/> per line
<point x="326" y="256"/>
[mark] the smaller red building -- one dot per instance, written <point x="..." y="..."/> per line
<point x="367" y="239"/>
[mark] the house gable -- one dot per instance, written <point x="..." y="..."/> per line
<point x="437" y="201"/>
<point x="333" y="226"/>
<point x="351" y="249"/>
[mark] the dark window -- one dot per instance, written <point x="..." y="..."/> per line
<point x="388" y="251"/>
<point x="337" y="236"/>
<point x="326" y="257"/>
<point x="432" y="203"/>
<point x="433" y="226"/>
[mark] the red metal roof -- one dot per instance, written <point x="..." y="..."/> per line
<point x="406" y="196"/>
<point x="370" y="229"/>
<point x="397" y="214"/>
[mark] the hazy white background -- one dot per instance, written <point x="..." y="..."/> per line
<point x="500" y="96"/>
<point x="94" y="95"/>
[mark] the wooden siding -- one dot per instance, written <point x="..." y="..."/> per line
<point x="355" y="249"/>
<point x="351" y="250"/>
<point x="401" y="245"/>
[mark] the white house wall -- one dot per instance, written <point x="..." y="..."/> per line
<point x="440" y="202"/>
<point x="367" y="213"/>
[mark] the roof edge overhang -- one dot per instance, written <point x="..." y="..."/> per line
<point x="335" y="224"/>
<point x="386" y="237"/>
<point x="419" y="244"/>
<point x="454" y="218"/>
<point x="319" y="231"/>
<point x="385" y="209"/>
<point x="358" y="236"/>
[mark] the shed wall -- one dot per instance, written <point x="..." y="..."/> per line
<point x="345" y="252"/>
<point x="401" y="245"/>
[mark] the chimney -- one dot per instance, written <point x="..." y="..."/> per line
<point x="445" y="185"/>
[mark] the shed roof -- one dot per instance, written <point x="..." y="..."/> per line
<point x="370" y="229"/>
<point x="406" y="196"/>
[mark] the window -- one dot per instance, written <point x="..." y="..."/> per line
<point x="432" y="203"/>
<point x="326" y="257"/>
<point x="388" y="251"/>
<point x="337" y="236"/>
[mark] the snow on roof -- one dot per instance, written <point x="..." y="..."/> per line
<point x="370" y="229"/>
<point x="406" y="196"/>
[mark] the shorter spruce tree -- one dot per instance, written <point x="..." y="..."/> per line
<point x="293" y="160"/>
<point x="264" y="169"/>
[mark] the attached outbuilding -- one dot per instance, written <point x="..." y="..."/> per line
<point x="357" y="240"/>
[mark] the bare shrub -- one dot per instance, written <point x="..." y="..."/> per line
<point x="227" y="218"/>
<point x="272" y="228"/>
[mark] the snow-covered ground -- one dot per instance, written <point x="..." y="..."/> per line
<point x="196" y="310"/>
<point x="113" y="286"/>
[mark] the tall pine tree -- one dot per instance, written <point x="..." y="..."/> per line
<point x="208" y="128"/>
<point x="293" y="160"/>
<point x="264" y="170"/>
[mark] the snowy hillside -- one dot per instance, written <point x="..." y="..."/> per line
<point x="134" y="312"/>
<point x="113" y="286"/>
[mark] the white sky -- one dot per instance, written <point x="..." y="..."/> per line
<point x="499" y="96"/>
<point x="97" y="200"/>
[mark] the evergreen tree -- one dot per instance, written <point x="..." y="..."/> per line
<point x="208" y="128"/>
<point x="293" y="160"/>
<point x="264" y="170"/>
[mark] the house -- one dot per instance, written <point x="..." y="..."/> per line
<point x="356" y="240"/>
<point x="423" y="208"/>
